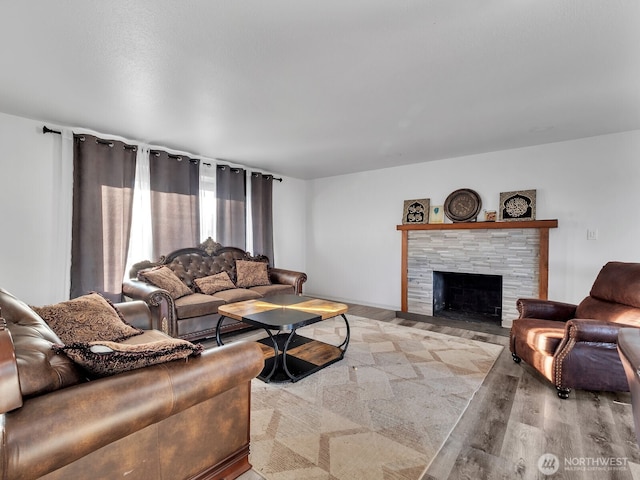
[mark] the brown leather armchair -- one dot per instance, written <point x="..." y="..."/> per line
<point x="575" y="346"/>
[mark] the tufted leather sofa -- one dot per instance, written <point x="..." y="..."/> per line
<point x="195" y="316"/>
<point x="575" y="346"/>
<point x="177" y="420"/>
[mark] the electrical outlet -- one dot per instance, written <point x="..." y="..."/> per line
<point x="592" y="234"/>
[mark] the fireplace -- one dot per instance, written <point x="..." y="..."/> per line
<point x="467" y="296"/>
<point x="516" y="251"/>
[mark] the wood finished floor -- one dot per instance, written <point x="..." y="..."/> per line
<point x="516" y="416"/>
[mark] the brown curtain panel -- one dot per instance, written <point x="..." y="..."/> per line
<point x="175" y="217"/>
<point x="231" y="211"/>
<point x="262" y="214"/>
<point x="103" y="182"/>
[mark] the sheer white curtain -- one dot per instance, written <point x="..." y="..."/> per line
<point x="62" y="215"/>
<point x="141" y="240"/>
<point x="207" y="200"/>
<point x="249" y="246"/>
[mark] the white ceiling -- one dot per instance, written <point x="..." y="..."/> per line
<point x="315" y="88"/>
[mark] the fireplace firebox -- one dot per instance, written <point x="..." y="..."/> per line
<point x="467" y="296"/>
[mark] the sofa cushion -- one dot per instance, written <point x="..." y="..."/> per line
<point x="87" y="318"/>
<point x="535" y="341"/>
<point x="214" y="283"/>
<point x="238" y="295"/>
<point x="251" y="274"/>
<point x="108" y="358"/>
<point x="618" y="282"/>
<point x="273" y="289"/>
<point x="163" y="277"/>
<point x="597" y="309"/>
<point x="197" y="304"/>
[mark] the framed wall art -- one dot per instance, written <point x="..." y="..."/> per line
<point x="416" y="211"/>
<point x="436" y="215"/>
<point x="490" y="215"/>
<point x="518" y="206"/>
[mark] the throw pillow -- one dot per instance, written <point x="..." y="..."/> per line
<point x="86" y="319"/>
<point x="163" y="277"/>
<point x="108" y="358"/>
<point x="251" y="274"/>
<point x="214" y="283"/>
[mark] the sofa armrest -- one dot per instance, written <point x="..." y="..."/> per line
<point x="288" y="277"/>
<point x="593" y="331"/>
<point x="11" y="397"/>
<point x="160" y="304"/>
<point x="545" y="309"/>
<point x="587" y="357"/>
<point x="137" y="314"/>
<point x="89" y="416"/>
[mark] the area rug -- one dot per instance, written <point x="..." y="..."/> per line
<point x="382" y="412"/>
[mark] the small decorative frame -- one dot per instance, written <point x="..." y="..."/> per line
<point x="416" y="211"/>
<point x="518" y="206"/>
<point x="490" y="215"/>
<point x="436" y="214"/>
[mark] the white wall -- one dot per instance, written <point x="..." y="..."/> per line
<point x="342" y="230"/>
<point x="353" y="247"/>
<point x="289" y="216"/>
<point x="27" y="235"/>
<point x="30" y="266"/>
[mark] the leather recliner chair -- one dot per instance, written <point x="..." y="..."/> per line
<point x="575" y="346"/>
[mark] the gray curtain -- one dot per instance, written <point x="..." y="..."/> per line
<point x="103" y="181"/>
<point x="231" y="206"/>
<point x="262" y="214"/>
<point x="175" y="218"/>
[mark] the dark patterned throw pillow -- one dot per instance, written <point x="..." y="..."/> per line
<point x="214" y="283"/>
<point x="251" y="274"/>
<point x="163" y="277"/>
<point x="87" y="318"/>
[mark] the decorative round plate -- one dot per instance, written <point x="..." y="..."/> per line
<point x="462" y="205"/>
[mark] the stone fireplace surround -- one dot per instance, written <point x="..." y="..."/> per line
<point x="518" y="251"/>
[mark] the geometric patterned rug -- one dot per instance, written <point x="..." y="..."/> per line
<point x="381" y="413"/>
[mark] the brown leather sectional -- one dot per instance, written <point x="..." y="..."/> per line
<point x="177" y="420"/>
<point x="575" y="346"/>
<point x="194" y="317"/>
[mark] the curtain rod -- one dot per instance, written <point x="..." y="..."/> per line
<point x="46" y="129"/>
<point x="267" y="175"/>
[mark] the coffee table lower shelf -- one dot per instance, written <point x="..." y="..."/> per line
<point x="289" y="357"/>
<point x="303" y="357"/>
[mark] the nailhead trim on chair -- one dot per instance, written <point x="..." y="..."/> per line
<point x="562" y="355"/>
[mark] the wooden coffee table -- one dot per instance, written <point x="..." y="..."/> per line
<point x="287" y="355"/>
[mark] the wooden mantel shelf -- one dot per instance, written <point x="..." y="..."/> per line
<point x="542" y="225"/>
<point x="479" y="225"/>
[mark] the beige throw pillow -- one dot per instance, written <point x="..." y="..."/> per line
<point x="86" y="319"/>
<point x="251" y="274"/>
<point x="214" y="283"/>
<point x="108" y="358"/>
<point x="163" y="277"/>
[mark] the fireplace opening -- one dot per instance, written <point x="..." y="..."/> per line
<point x="467" y="296"/>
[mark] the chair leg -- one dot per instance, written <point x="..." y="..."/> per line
<point x="563" y="393"/>
<point x="516" y="358"/>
